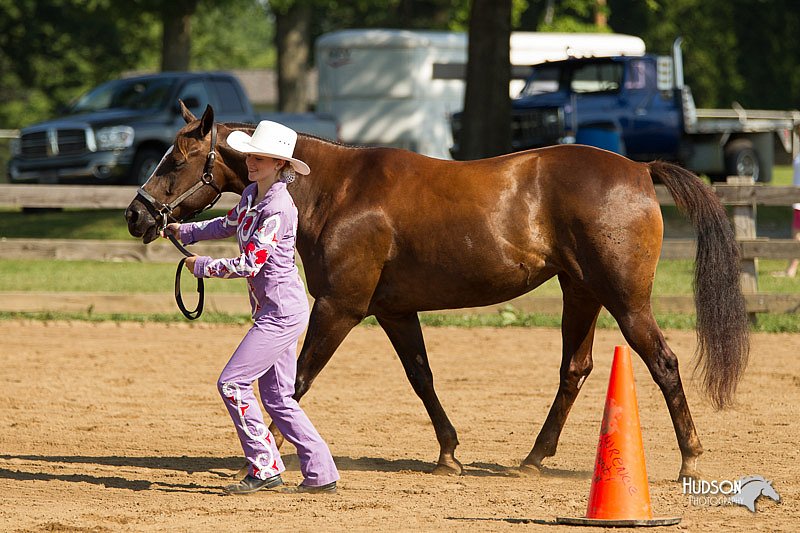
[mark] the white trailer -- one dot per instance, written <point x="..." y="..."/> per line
<point x="400" y="87"/>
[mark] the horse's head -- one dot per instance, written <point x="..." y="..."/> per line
<point x="184" y="182"/>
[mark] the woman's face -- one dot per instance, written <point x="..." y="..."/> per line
<point x="260" y="168"/>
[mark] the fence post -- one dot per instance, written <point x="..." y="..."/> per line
<point x="744" y="225"/>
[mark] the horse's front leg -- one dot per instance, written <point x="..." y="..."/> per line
<point x="329" y="324"/>
<point x="405" y="334"/>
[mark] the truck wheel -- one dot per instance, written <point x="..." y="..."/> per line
<point x="144" y="164"/>
<point x="741" y="159"/>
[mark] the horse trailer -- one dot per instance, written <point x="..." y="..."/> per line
<point x="399" y="87"/>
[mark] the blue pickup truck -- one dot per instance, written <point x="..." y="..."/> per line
<point x="639" y="106"/>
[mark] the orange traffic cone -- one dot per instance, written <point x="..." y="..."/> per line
<point x="619" y="495"/>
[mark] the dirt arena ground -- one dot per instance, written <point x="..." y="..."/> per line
<point x="118" y="427"/>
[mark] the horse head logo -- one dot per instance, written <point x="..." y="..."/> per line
<point x="751" y="488"/>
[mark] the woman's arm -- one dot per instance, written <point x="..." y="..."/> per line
<point x="256" y="252"/>
<point x="216" y="228"/>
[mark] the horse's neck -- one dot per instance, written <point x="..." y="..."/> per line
<point x="235" y="167"/>
<point x="315" y="195"/>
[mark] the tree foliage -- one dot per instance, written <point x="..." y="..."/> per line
<point x="734" y="50"/>
<point x="53" y="50"/>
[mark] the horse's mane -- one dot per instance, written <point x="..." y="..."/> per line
<point x="241" y="126"/>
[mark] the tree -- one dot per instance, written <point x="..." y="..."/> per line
<point x="52" y="50"/>
<point x="292" y="40"/>
<point x="487" y="108"/>
<point x="176" y="21"/>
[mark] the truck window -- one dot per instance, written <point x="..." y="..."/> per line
<point x="641" y="74"/>
<point x="228" y="99"/>
<point x="543" y="80"/>
<point x="597" y="78"/>
<point x="130" y="94"/>
<point x="195" y="89"/>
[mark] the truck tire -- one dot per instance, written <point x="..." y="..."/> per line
<point x="144" y="164"/>
<point x="741" y="159"/>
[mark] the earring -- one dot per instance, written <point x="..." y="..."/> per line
<point x="288" y="175"/>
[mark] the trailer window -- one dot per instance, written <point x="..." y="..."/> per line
<point x="597" y="78"/>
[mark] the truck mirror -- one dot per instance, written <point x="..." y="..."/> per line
<point x="664" y="76"/>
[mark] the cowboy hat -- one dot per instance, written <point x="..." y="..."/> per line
<point x="270" y="139"/>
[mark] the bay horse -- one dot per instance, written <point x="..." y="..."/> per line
<point x="390" y="233"/>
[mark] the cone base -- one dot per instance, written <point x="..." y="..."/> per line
<point x="600" y="522"/>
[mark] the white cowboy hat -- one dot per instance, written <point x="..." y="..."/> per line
<point x="271" y="140"/>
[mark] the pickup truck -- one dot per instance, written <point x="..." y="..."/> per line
<point x="117" y="132"/>
<point x="639" y="106"/>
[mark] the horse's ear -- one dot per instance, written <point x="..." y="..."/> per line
<point x="187" y="115"/>
<point x="206" y="121"/>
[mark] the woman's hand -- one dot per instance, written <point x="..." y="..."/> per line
<point x="190" y="261"/>
<point x="173" y="229"/>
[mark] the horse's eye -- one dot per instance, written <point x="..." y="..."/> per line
<point x="180" y="163"/>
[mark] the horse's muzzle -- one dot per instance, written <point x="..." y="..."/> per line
<point x="141" y="222"/>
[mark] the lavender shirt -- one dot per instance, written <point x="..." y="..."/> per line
<point x="266" y="234"/>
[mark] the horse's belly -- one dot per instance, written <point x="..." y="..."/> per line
<point x="429" y="288"/>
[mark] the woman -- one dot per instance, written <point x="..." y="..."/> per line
<point x="265" y="223"/>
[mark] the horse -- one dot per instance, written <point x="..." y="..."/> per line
<point x="390" y="233"/>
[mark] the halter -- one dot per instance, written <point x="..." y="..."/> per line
<point x="165" y="210"/>
<point x="165" y="213"/>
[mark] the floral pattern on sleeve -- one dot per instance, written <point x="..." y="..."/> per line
<point x="255" y="254"/>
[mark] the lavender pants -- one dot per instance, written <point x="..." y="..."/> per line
<point x="268" y="354"/>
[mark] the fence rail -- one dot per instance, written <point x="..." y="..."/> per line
<point x="744" y="197"/>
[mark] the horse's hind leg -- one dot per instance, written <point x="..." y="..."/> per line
<point x="405" y="334"/>
<point x="579" y="317"/>
<point x="642" y="332"/>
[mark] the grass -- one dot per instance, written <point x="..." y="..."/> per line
<point x="99" y="276"/>
<point x="105" y="224"/>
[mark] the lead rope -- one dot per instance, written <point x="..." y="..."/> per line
<point x="195" y="314"/>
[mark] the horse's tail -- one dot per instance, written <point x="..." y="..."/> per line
<point x="723" y="328"/>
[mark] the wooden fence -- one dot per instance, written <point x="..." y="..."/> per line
<point x="740" y="193"/>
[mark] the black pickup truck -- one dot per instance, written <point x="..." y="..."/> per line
<point x="118" y="132"/>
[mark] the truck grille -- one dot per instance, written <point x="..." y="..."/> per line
<point x="532" y="128"/>
<point x="53" y="142"/>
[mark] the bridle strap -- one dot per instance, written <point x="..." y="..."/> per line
<point x="165" y="211"/>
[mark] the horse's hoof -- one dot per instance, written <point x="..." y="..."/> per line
<point x="689" y="470"/>
<point x="448" y="469"/>
<point x="690" y="474"/>
<point x="529" y="470"/>
<point x="242" y="472"/>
